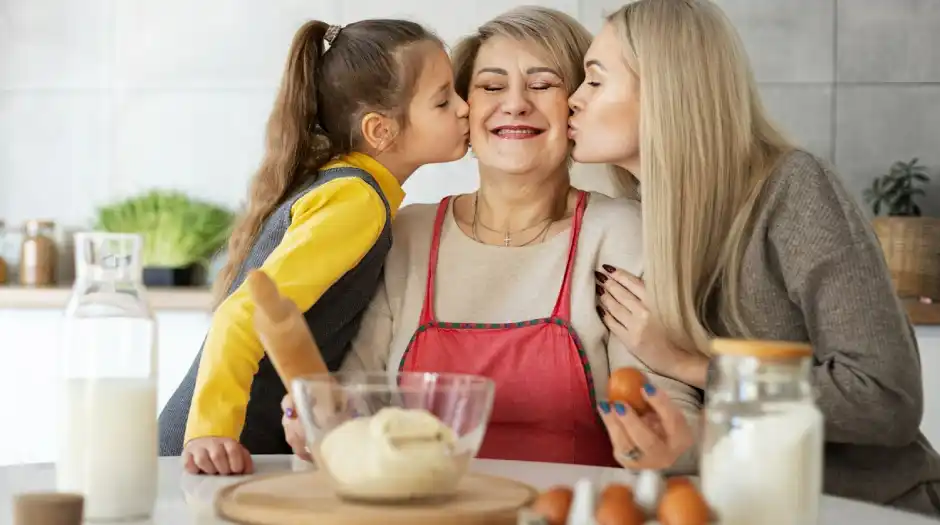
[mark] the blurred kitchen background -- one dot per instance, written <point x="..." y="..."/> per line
<point x="104" y="100"/>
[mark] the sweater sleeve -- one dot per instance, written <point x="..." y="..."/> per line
<point x="866" y="370"/>
<point x="331" y="230"/>
<point x="370" y="347"/>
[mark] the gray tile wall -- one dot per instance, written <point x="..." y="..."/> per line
<point x="103" y="98"/>
<point x="854" y="81"/>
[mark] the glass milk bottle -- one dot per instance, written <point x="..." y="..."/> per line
<point x="762" y="456"/>
<point x="107" y="447"/>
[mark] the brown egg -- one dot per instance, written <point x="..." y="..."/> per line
<point x="616" y="507"/>
<point x="626" y="386"/>
<point x="683" y="504"/>
<point x="553" y="505"/>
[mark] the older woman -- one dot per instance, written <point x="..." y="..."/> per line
<point x="501" y="282"/>
<point x="746" y="236"/>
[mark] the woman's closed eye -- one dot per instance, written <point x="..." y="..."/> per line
<point x="540" y="86"/>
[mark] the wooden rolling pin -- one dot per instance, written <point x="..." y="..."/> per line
<point x="283" y="331"/>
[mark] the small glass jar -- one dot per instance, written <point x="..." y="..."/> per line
<point x="762" y="455"/>
<point x="38" y="254"/>
<point x="107" y="447"/>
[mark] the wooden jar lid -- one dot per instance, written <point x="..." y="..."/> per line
<point x="48" y="508"/>
<point x="761" y="349"/>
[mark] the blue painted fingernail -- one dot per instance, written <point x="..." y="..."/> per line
<point x="650" y="389"/>
<point x="289" y="413"/>
<point x="604" y="406"/>
<point x="620" y="408"/>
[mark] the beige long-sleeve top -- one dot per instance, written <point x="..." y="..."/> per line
<point x="494" y="284"/>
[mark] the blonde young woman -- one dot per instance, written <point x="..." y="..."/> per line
<point x="500" y="282"/>
<point x="757" y="235"/>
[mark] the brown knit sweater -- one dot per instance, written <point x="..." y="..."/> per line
<point x="814" y="271"/>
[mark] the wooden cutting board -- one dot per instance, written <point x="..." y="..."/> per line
<point x="307" y="497"/>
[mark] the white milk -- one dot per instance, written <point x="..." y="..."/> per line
<point x="108" y="446"/>
<point x="767" y="470"/>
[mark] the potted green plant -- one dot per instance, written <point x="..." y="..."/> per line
<point x="180" y="234"/>
<point x="911" y="242"/>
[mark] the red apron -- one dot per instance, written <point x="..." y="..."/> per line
<point x="544" y="409"/>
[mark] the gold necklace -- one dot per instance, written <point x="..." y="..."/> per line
<point x="507" y="235"/>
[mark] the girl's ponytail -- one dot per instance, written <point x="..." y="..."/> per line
<point x="296" y="148"/>
<point x="324" y="94"/>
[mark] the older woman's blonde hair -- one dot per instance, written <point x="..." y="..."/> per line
<point x="706" y="149"/>
<point x="564" y="40"/>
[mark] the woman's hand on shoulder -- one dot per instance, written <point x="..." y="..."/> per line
<point x="622" y="305"/>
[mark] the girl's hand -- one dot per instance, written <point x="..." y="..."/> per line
<point x="654" y="440"/>
<point x="294" y="429"/>
<point x="216" y="455"/>
<point x="623" y="308"/>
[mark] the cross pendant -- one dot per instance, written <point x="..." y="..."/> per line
<point x="507" y="239"/>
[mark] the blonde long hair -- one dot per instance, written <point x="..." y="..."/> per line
<point x="706" y="149"/>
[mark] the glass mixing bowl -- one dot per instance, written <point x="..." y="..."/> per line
<point x="393" y="438"/>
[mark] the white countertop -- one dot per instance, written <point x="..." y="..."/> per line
<point x="188" y="499"/>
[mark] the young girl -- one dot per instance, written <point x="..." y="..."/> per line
<point x="360" y="108"/>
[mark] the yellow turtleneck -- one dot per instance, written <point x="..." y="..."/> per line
<point x="332" y="228"/>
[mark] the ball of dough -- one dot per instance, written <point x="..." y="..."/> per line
<point x="395" y="454"/>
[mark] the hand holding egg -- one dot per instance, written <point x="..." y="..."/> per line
<point x="646" y="429"/>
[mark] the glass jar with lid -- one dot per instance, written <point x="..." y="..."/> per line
<point x="38" y="254"/>
<point x="107" y="448"/>
<point x="762" y="455"/>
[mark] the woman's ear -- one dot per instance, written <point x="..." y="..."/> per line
<point x="379" y="131"/>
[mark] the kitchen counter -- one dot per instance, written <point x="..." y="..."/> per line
<point x="183" y="498"/>
<point x="923" y="314"/>
<point x="180" y="299"/>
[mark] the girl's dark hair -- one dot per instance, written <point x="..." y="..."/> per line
<point x="370" y="66"/>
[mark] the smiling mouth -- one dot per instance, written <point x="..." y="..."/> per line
<point x="516" y="132"/>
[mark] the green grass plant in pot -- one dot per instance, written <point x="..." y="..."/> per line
<point x="180" y="234"/>
<point x="911" y="242"/>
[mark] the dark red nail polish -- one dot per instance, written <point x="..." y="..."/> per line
<point x="600" y="277"/>
<point x="608" y="268"/>
<point x="599" y="289"/>
<point x="600" y="312"/>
